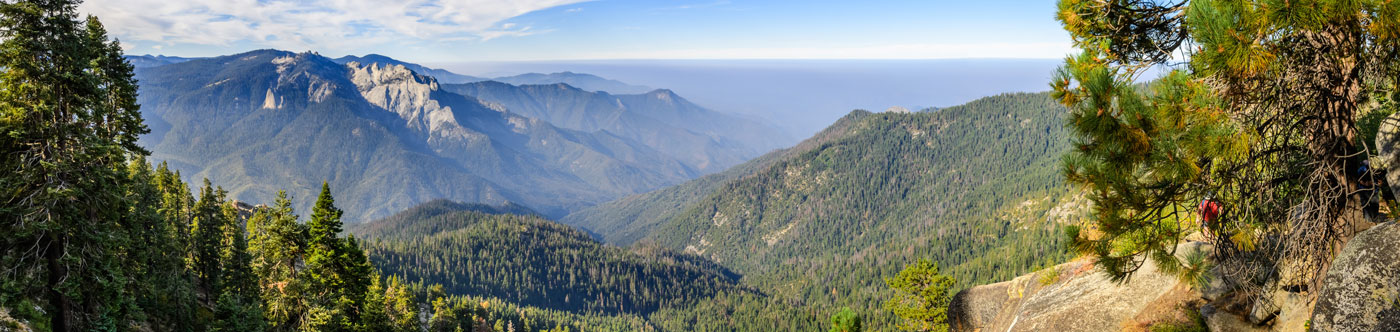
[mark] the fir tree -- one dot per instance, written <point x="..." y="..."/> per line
<point x="206" y="240"/>
<point x="277" y="244"/>
<point x="69" y="125"/>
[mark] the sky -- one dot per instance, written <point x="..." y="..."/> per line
<point x="439" y="31"/>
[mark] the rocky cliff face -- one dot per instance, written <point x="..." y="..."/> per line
<point x="397" y="89"/>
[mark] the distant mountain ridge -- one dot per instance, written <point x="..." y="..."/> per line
<point x="708" y="140"/>
<point x="144" y="61"/>
<point x="385" y="137"/>
<point x="583" y="81"/>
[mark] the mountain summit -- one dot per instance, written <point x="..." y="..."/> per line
<point x="384" y="136"/>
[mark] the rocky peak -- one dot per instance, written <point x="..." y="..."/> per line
<point x="397" y="89"/>
<point x="664" y="95"/>
<point x="296" y="71"/>
<point x="376" y="74"/>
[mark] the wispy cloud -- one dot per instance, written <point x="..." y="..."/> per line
<point x="308" y="24"/>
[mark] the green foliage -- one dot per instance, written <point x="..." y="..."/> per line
<point x="67" y="126"/>
<point x="1263" y="114"/>
<point x="532" y="261"/>
<point x="1141" y="160"/>
<point x="845" y="321"/>
<point x="627" y="220"/>
<point x="921" y="297"/>
<point x="819" y="228"/>
<point x="277" y="243"/>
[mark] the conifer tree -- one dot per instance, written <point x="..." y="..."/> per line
<point x="338" y="268"/>
<point x="400" y="306"/>
<point x="375" y="316"/>
<point x="277" y="245"/>
<point x="921" y="297"/>
<point x="238" y="307"/>
<point x="68" y="126"/>
<point x="206" y="240"/>
<point x="1270" y="92"/>
<point x="845" y="321"/>
<point x="324" y="245"/>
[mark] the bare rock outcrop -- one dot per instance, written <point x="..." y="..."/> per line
<point x="1388" y="149"/>
<point x="1077" y="297"/>
<point x="1361" y="291"/>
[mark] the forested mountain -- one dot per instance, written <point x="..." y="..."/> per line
<point x="268" y="120"/>
<point x="974" y="187"/>
<point x="624" y="221"/>
<point x="484" y="251"/>
<point x="584" y="81"/>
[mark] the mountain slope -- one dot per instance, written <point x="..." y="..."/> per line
<point x="583" y="81"/>
<point x="385" y="137"/>
<point x="626" y="220"/>
<point x="707" y="140"/>
<point x="974" y="187"/>
<point x="536" y="262"/>
<point x="894" y="178"/>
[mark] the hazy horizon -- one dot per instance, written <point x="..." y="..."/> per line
<point x="803" y="95"/>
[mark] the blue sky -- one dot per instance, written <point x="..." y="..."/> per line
<point x="506" y="30"/>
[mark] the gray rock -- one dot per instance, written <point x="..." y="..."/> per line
<point x="1226" y="322"/>
<point x="1293" y="311"/>
<point x="1388" y="150"/>
<point x="1215" y="286"/>
<point x="1080" y="299"/>
<point x="1361" y="291"/>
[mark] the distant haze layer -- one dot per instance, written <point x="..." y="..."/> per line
<point x="804" y="96"/>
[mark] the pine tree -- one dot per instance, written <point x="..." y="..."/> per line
<point x="1262" y="119"/>
<point x="921" y="297"/>
<point x="444" y="319"/>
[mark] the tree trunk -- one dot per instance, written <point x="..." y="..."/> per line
<point x="58" y="302"/>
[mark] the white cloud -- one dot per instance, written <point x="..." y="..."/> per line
<point x="328" y="25"/>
